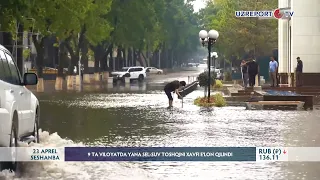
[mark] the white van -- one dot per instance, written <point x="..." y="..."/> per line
<point x="19" y="107"/>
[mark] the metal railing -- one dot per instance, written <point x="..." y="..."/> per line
<point x="192" y="79"/>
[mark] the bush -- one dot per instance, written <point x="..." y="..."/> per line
<point x="203" y="79"/>
<point x="227" y="76"/>
<point x="215" y="100"/>
<point x="218" y="84"/>
<point x="220" y="101"/>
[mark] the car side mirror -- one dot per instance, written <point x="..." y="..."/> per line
<point x="30" y="79"/>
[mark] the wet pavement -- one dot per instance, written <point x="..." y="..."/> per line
<point x="140" y="118"/>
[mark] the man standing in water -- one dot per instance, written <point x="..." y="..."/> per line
<point x="173" y="87"/>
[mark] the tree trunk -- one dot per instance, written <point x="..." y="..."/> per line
<point x="63" y="57"/>
<point x="125" y="60"/>
<point x="139" y="58"/>
<point x="84" y="55"/>
<point x="106" y="60"/>
<point x="103" y="60"/>
<point x="75" y="53"/>
<point x="39" y="61"/>
<point x="84" y="47"/>
<point x="135" y="57"/>
<point x="74" y="58"/>
<point x="154" y="58"/>
<point x="129" y="57"/>
<point x="40" y="55"/>
<point x="111" y="65"/>
<point x="120" y="58"/>
<point x="19" y="57"/>
<point x="98" y="54"/>
<point x="145" y="59"/>
<point x="96" y="63"/>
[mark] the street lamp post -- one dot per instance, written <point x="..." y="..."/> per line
<point x="208" y="38"/>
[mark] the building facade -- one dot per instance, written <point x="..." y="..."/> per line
<point x="300" y="37"/>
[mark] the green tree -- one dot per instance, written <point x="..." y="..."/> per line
<point x="94" y="30"/>
<point x="54" y="18"/>
<point x="179" y="29"/>
<point x="241" y="35"/>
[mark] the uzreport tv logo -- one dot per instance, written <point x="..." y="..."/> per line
<point x="280" y="13"/>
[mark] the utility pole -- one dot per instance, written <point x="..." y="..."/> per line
<point x="79" y="64"/>
<point x="159" y="59"/>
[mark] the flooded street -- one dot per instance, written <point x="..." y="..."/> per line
<point x="137" y="116"/>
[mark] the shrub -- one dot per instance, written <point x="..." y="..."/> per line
<point x="203" y="101"/>
<point x="227" y="76"/>
<point x="215" y="100"/>
<point x="203" y="79"/>
<point x="218" y="84"/>
<point x="219" y="100"/>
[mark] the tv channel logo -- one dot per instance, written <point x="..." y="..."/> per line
<point x="279" y="13"/>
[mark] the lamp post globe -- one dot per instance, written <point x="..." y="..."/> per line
<point x="203" y="41"/>
<point x="213" y="34"/>
<point x="203" y="34"/>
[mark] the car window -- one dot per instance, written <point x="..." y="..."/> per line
<point x="124" y="69"/>
<point x="131" y="70"/>
<point x="5" y="71"/>
<point x="138" y="69"/>
<point x="15" y="75"/>
<point x="2" y="72"/>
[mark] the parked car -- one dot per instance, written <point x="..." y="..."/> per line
<point x="218" y="72"/>
<point x="19" y="107"/>
<point x="134" y="73"/>
<point x="153" y="70"/>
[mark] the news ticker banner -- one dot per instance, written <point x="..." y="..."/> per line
<point x="258" y="154"/>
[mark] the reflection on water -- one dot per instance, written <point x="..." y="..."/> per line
<point x="129" y="119"/>
<point x="138" y="87"/>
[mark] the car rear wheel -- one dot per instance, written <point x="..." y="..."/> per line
<point x="122" y="79"/>
<point x="159" y="72"/>
<point x="141" y="77"/>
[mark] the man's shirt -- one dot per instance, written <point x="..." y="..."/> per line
<point x="273" y="65"/>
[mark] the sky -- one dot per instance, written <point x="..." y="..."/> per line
<point x="198" y="4"/>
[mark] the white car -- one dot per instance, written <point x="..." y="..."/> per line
<point x="19" y="108"/>
<point x="134" y="73"/>
<point x="218" y="72"/>
<point x="153" y="70"/>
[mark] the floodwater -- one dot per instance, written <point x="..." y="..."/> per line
<point x="137" y="116"/>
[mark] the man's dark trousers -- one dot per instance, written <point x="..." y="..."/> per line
<point x="298" y="79"/>
<point x="252" y="79"/>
